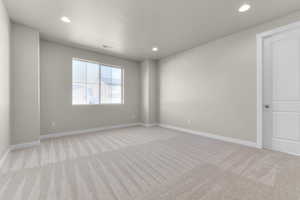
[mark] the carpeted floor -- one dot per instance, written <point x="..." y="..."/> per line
<point x="147" y="164"/>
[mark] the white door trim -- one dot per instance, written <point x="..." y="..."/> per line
<point x="259" y="76"/>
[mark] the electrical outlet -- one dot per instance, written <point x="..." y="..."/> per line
<point x="189" y="121"/>
<point x="133" y="116"/>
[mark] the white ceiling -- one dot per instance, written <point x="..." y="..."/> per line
<point x="132" y="27"/>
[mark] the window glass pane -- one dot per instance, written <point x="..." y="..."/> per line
<point x="93" y="94"/>
<point x="79" y="71"/>
<point x="116" y="76"/>
<point x="79" y="93"/>
<point x="111" y="85"/>
<point x="93" y="73"/>
<point x="85" y="82"/>
<point x="116" y="94"/>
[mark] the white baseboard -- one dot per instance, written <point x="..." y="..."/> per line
<point x="212" y="136"/>
<point x="4" y="156"/>
<point x="148" y="125"/>
<point x="55" y="135"/>
<point x="61" y="134"/>
<point x="68" y="133"/>
<point x="24" y="145"/>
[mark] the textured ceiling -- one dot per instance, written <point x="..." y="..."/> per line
<point x="132" y="27"/>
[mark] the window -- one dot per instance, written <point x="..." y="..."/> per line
<point x="111" y="85"/>
<point x="93" y="83"/>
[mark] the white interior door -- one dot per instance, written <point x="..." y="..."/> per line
<point x="281" y="92"/>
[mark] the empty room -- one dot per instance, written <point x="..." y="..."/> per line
<point x="149" y="100"/>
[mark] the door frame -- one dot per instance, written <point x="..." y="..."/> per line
<point x="259" y="76"/>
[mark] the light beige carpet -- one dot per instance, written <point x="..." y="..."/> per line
<point x="147" y="164"/>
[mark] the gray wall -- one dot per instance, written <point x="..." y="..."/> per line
<point x="4" y="80"/>
<point x="25" y="107"/>
<point x="145" y="107"/>
<point x="212" y="88"/>
<point x="149" y="92"/>
<point x="56" y="92"/>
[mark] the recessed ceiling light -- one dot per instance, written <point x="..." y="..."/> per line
<point x="65" y="19"/>
<point x="245" y="7"/>
<point x="154" y="48"/>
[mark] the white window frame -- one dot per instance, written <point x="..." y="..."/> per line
<point x="107" y="65"/>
